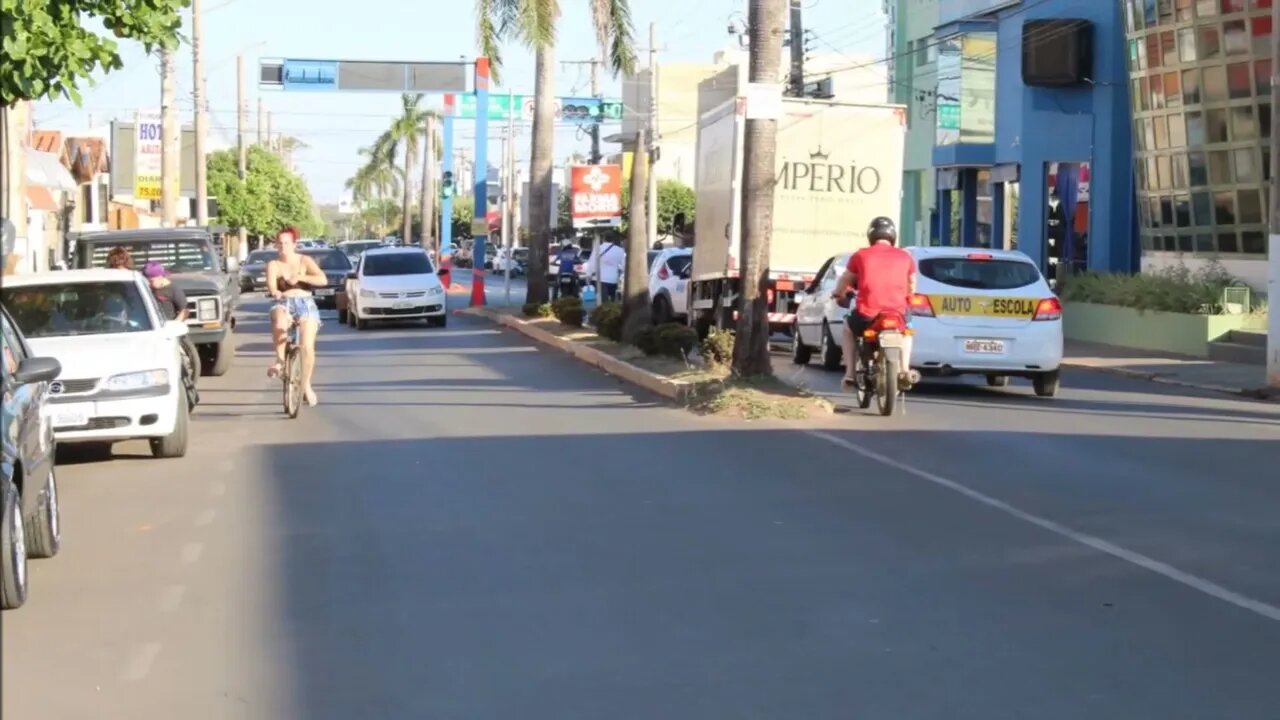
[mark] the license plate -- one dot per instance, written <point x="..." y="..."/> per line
<point x="978" y="306"/>
<point x="891" y="340"/>
<point x="984" y="347"/>
<point x="70" y="418"/>
<point x="324" y="292"/>
<point x="401" y="306"/>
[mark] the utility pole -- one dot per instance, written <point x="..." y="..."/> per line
<point x="271" y="142"/>
<point x="654" y="138"/>
<point x="760" y="147"/>
<point x="636" y="309"/>
<point x="508" y="191"/>
<point x="243" y="245"/>
<point x="260" y="118"/>
<point x="170" y="134"/>
<point x="796" y="39"/>
<point x="1273" y="254"/>
<point x="428" y="209"/>
<point x="201" y="119"/>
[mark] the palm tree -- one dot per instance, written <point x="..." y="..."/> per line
<point x="405" y="137"/>
<point x="376" y="179"/>
<point x="533" y="23"/>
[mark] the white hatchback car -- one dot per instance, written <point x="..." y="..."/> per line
<point x="395" y="283"/>
<point x="669" y="284"/>
<point x="979" y="312"/>
<point x="121" y="362"/>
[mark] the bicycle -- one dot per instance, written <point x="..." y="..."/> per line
<point x="292" y="371"/>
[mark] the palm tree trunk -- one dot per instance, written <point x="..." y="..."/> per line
<point x="635" y="303"/>
<point x="759" y="160"/>
<point x="407" y="215"/>
<point x="540" y="171"/>
<point x="428" y="186"/>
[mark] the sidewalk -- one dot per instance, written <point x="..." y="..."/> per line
<point x="1169" y="369"/>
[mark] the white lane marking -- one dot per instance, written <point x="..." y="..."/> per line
<point x="1208" y="587"/>
<point x="139" y="666"/>
<point x="219" y="488"/>
<point x="205" y="517"/>
<point x="191" y="552"/>
<point x="171" y="598"/>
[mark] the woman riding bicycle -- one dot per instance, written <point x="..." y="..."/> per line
<point x="290" y="278"/>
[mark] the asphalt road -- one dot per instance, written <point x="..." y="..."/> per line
<point x="469" y="527"/>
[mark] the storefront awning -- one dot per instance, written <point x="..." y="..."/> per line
<point x="39" y="198"/>
<point x="47" y="171"/>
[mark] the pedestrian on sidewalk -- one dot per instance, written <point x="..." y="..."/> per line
<point x="607" y="263"/>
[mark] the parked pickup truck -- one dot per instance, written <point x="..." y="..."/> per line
<point x="196" y="265"/>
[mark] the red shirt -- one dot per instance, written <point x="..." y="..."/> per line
<point x="884" y="274"/>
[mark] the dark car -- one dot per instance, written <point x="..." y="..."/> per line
<point x="253" y="273"/>
<point x="29" y="515"/>
<point x="336" y="267"/>
<point x="208" y="280"/>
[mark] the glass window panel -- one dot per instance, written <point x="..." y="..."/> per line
<point x="1259" y="4"/>
<point x="1148" y="242"/>
<point x="1136" y="94"/>
<point x="1173" y="89"/>
<point x="1168" y="243"/>
<point x="1224" y="208"/>
<point x="1227" y="243"/>
<point x="1199" y="166"/>
<point x="1164" y="9"/>
<point x="1232" y="6"/>
<point x="1247" y="170"/>
<point x="1209" y="47"/>
<point x="1142" y="53"/>
<point x="1216" y="123"/>
<point x="1182" y="210"/>
<point x="1151" y="174"/>
<point x="1201" y="208"/>
<point x="1206" y="8"/>
<point x="1262" y="77"/>
<point x="1153" y="210"/>
<point x="1248" y="207"/>
<point x="1183" y="9"/>
<point x="1215" y="84"/>
<point x="1166" y="211"/>
<point x="1164" y="173"/>
<point x="1149" y="132"/>
<point x="1264" y="119"/>
<point x="1266" y="164"/>
<point x="1131" y="12"/>
<point x="1203" y="243"/>
<point x="1180" y="171"/>
<point x="1157" y="92"/>
<point x="1144" y="92"/>
<point x="1261" y="31"/>
<point x="1177" y="132"/>
<point x="1235" y="38"/>
<point x="1243" y="125"/>
<point x="1152" y="45"/>
<point x="1253" y="242"/>
<point x="1187" y="44"/>
<point x="1191" y="87"/>
<point x="1184" y="243"/>
<point x="1238" y="83"/>
<point x="1140" y="176"/>
<point x="1162" y="133"/>
<point x="1220" y="168"/>
<point x="1168" y="49"/>
<point x="1196" y="136"/>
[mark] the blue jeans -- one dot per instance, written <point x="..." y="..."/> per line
<point x="301" y="308"/>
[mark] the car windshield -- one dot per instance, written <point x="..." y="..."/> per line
<point x="261" y="257"/>
<point x="993" y="274"/>
<point x="398" y="263"/>
<point x="193" y="255"/>
<point x="61" y="310"/>
<point x="329" y="259"/>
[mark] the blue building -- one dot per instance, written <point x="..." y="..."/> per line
<point x="1033" y="135"/>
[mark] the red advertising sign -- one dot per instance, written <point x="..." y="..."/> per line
<point x="595" y="195"/>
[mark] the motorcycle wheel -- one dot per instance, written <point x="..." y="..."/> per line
<point x="887" y="394"/>
<point x="865" y="387"/>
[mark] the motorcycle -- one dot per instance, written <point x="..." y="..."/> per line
<point x="568" y="284"/>
<point x="882" y="372"/>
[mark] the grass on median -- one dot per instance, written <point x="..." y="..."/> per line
<point x="713" y="391"/>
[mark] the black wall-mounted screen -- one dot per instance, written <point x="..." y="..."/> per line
<point x="1057" y="53"/>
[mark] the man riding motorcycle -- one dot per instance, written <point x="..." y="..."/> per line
<point x="566" y="262"/>
<point x="885" y="278"/>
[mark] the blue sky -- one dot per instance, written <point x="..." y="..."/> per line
<point x="334" y="126"/>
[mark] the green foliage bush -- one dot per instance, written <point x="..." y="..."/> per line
<point x="607" y="320"/>
<point x="536" y="310"/>
<point x="647" y="340"/>
<point x="676" y="340"/>
<point x="717" y="347"/>
<point x="1170" y="289"/>
<point x="568" y="310"/>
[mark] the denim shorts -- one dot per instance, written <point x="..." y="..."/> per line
<point x="301" y="308"/>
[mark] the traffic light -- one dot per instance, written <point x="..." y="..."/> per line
<point x="446" y="185"/>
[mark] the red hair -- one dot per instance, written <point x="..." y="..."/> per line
<point x="291" y="230"/>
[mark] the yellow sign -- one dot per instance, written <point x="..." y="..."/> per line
<point x="479" y="227"/>
<point x="999" y="307"/>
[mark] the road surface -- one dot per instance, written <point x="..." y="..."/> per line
<point x="470" y="527"/>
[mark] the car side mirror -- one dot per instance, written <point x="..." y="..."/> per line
<point x="233" y="264"/>
<point x="37" y="369"/>
<point x="174" y="329"/>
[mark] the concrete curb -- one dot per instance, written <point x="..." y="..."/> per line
<point x="671" y="389"/>
<point x="1257" y="394"/>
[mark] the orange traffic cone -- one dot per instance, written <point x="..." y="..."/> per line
<point x="477" y="286"/>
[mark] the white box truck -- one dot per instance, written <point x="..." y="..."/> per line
<point x="839" y="166"/>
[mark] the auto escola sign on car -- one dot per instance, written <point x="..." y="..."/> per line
<point x="596" y="195"/>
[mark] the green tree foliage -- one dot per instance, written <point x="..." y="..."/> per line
<point x="270" y="197"/>
<point x="49" y="51"/>
<point x="463" y="212"/>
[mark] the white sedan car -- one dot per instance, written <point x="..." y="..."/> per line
<point x="980" y="312"/>
<point x="395" y="283"/>
<point x="121" y="362"/>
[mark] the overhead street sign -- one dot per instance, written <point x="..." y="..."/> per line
<point x="580" y="110"/>
<point x="299" y="75"/>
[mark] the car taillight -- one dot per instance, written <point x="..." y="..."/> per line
<point x="889" y="323"/>
<point x="663" y="273"/>
<point x="1048" y="309"/>
<point x="921" y="306"/>
<point x="978" y="256"/>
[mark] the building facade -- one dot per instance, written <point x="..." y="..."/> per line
<point x="1200" y="82"/>
<point x="913" y="84"/>
<point x="1045" y="169"/>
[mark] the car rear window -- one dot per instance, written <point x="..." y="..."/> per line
<point x="994" y="274"/>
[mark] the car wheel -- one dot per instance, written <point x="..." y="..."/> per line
<point x="829" y="349"/>
<point x="44" y="531"/>
<point x="800" y="353"/>
<point x="361" y="323"/>
<point x="662" y="310"/>
<point x="1046" y="384"/>
<point x="223" y="354"/>
<point x="13" y="546"/>
<point x="174" y="445"/>
<point x="998" y="381"/>
<point x="438" y="321"/>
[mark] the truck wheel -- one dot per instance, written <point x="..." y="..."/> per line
<point x="830" y="349"/>
<point x="800" y="353"/>
<point x="223" y="354"/>
<point x="44" y="532"/>
<point x="13" y="552"/>
<point x="174" y="445"/>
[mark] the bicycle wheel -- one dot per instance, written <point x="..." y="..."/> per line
<point x="292" y="381"/>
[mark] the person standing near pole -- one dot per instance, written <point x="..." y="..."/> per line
<point x="605" y="266"/>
